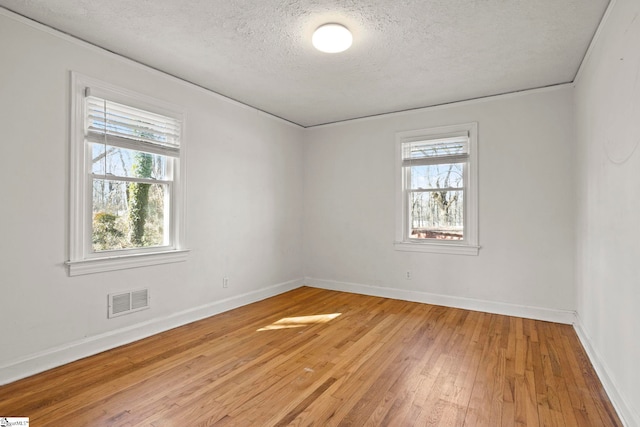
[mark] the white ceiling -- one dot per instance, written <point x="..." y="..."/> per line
<point x="406" y="53"/>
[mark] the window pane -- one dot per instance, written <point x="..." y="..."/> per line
<point x="110" y="160"/>
<point x="128" y="215"/>
<point x="436" y="215"/>
<point x="448" y="175"/>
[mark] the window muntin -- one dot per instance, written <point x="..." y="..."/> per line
<point x="437" y="190"/>
<point x="127" y="179"/>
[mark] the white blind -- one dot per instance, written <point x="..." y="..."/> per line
<point x="442" y="150"/>
<point x="128" y="127"/>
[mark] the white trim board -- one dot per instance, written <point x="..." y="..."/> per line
<point x="452" y="104"/>
<point x="67" y="353"/>
<point x="96" y="48"/>
<point x="58" y="356"/>
<point x="594" y="40"/>
<point x="537" y="313"/>
<point x="624" y="410"/>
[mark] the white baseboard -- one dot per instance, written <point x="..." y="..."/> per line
<point x="537" y="313"/>
<point x="626" y="413"/>
<point x="70" y="352"/>
<point x="76" y="350"/>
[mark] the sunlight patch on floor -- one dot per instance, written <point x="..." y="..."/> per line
<point x="300" y="322"/>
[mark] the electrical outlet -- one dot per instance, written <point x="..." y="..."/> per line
<point x="408" y="275"/>
<point x="225" y="282"/>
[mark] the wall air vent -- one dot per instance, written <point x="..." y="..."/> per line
<point x="128" y="302"/>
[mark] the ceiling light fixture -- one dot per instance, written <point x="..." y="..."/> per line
<point x="332" y="38"/>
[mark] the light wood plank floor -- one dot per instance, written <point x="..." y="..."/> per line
<point x="324" y="358"/>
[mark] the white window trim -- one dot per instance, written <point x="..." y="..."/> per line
<point x="81" y="261"/>
<point x="469" y="246"/>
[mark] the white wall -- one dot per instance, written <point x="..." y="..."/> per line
<point x="243" y="206"/>
<point x="526" y="207"/>
<point x="608" y="250"/>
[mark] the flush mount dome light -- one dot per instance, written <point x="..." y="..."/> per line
<point x="332" y="38"/>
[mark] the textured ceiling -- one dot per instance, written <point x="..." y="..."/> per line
<point x="406" y="53"/>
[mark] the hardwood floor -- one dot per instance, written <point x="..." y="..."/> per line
<point x="324" y="358"/>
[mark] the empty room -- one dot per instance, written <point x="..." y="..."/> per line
<point x="271" y="213"/>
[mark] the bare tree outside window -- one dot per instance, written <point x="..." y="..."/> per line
<point x="128" y="214"/>
<point x="435" y="188"/>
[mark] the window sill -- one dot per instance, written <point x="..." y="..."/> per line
<point x="437" y="248"/>
<point x="122" y="262"/>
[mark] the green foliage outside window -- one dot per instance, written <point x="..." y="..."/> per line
<point x="139" y="198"/>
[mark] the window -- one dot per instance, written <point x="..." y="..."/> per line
<point x="437" y="208"/>
<point x="127" y="178"/>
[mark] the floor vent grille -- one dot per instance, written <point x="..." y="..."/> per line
<point x="128" y="302"/>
